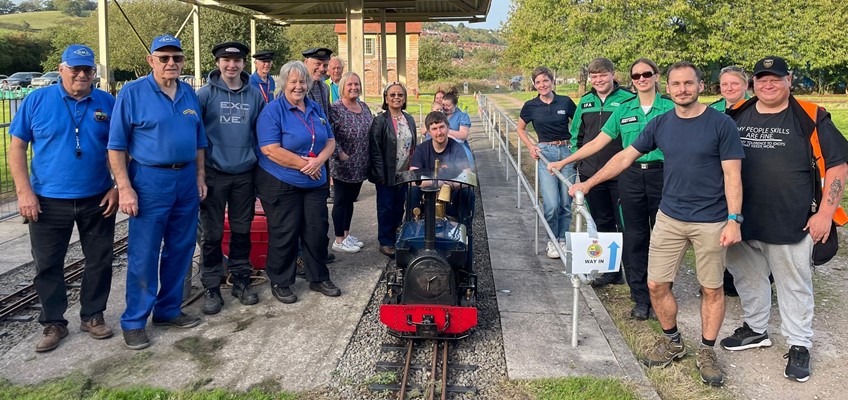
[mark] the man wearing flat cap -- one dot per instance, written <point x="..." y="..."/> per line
<point x="157" y="125"/>
<point x="262" y="79"/>
<point x="229" y="106"/>
<point x="776" y="131"/>
<point x="68" y="126"/>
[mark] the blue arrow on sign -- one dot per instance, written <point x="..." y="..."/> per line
<point x="613" y="247"/>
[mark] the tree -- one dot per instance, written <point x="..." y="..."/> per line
<point x="7" y="7"/>
<point x="30" y="6"/>
<point x="434" y="59"/>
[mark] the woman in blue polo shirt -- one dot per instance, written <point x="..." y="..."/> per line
<point x="551" y="115"/>
<point x="294" y="141"/>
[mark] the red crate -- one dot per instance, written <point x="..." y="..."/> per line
<point x="258" y="237"/>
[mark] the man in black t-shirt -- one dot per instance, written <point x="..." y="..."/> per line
<point x="780" y="225"/>
<point x="701" y="187"/>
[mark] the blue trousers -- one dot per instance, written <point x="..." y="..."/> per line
<point x="168" y="205"/>
<point x="555" y="198"/>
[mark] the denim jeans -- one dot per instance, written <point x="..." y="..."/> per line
<point x="555" y="198"/>
<point x="390" y="204"/>
<point x="50" y="236"/>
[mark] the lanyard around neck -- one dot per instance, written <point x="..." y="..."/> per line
<point x="310" y="129"/>
<point x="77" y="124"/>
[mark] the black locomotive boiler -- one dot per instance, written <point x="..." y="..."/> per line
<point x="431" y="286"/>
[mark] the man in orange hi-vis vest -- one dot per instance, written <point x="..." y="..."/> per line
<point x="783" y="138"/>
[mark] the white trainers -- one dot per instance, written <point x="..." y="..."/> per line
<point x="353" y="241"/>
<point x="345" y="247"/>
<point x="552" y="251"/>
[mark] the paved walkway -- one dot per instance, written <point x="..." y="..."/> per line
<point x="299" y="345"/>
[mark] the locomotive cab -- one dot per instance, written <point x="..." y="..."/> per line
<point x="431" y="286"/>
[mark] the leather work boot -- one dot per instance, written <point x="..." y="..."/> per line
<point x="212" y="301"/>
<point x="96" y="328"/>
<point x="52" y="336"/>
<point x="243" y="291"/>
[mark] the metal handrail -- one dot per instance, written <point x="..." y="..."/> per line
<point x="495" y="122"/>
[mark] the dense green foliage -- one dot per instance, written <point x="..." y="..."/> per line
<point x="567" y="34"/>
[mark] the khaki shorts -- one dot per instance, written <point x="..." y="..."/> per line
<point x="671" y="238"/>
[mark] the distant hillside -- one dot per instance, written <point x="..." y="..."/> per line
<point x="463" y="33"/>
<point x="33" y="21"/>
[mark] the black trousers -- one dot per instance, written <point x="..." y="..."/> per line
<point x="640" y="191"/>
<point x="234" y="194"/>
<point x="603" y="201"/>
<point x="49" y="238"/>
<point x="294" y="214"/>
<point x="345" y="193"/>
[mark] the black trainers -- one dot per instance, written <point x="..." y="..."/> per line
<point x="212" y="301"/>
<point x="136" y="339"/>
<point x="181" y="321"/>
<point x="798" y="366"/>
<point x="244" y="292"/>
<point x="708" y="367"/>
<point x="327" y="288"/>
<point x="745" y="338"/>
<point x="640" y="311"/>
<point x="283" y="294"/>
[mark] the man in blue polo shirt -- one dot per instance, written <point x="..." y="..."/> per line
<point x="157" y="123"/>
<point x="262" y="79"/>
<point x="68" y="126"/>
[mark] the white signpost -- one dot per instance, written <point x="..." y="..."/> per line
<point x="602" y="254"/>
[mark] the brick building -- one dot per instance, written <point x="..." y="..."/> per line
<point x="372" y="79"/>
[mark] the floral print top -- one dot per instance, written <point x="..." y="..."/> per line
<point x="351" y="132"/>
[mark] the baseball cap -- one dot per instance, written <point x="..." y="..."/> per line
<point x="771" y="65"/>
<point x="165" y="41"/>
<point x="77" y="55"/>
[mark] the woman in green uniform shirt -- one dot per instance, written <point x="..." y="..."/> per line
<point x="640" y="186"/>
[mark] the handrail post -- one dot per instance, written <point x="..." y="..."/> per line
<point x="536" y="202"/>
<point x="506" y="147"/>
<point x="518" y="181"/>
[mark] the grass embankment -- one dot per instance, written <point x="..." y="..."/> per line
<point x="37" y="20"/>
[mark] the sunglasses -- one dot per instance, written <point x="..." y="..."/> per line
<point x="84" y="70"/>
<point x="393" y="95"/>
<point x="164" y="59"/>
<point x="645" y="75"/>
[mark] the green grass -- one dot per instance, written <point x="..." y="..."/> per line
<point x="571" y="388"/>
<point x="36" y="20"/>
<point x="77" y="386"/>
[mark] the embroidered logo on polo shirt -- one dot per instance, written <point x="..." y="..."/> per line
<point x="589" y="104"/>
<point x="189" y="111"/>
<point x="561" y="112"/>
<point x="100" y="116"/>
<point x="628" y="120"/>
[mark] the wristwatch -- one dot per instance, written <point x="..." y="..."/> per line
<point x="736" y="217"/>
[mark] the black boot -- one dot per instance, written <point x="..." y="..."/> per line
<point x="243" y="291"/>
<point x="212" y="301"/>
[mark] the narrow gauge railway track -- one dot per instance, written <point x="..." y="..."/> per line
<point x="439" y="369"/>
<point x="26" y="296"/>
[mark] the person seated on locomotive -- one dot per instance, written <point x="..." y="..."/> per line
<point x="453" y="162"/>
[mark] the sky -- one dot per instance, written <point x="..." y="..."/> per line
<point x="498" y="13"/>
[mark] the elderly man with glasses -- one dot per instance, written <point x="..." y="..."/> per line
<point x="68" y="126"/>
<point x="158" y="123"/>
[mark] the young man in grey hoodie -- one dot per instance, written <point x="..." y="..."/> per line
<point x="230" y="107"/>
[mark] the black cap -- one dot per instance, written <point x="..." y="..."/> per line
<point x="318" y="53"/>
<point x="229" y="49"/>
<point x="264" y="55"/>
<point x="771" y="65"/>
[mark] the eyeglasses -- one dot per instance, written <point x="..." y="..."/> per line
<point x="393" y="95"/>
<point x="84" y="70"/>
<point x="645" y="75"/>
<point x="164" y="59"/>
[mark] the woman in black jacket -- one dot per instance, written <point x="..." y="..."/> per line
<point x="392" y="140"/>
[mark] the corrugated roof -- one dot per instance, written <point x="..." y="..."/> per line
<point x="311" y="11"/>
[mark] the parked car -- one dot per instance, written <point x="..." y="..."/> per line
<point x="22" y="79"/>
<point x="49" y="78"/>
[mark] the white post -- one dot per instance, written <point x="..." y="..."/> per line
<point x="195" y="20"/>
<point x="384" y="62"/>
<point x="103" y="44"/>
<point x="253" y="44"/>
<point x="356" y="38"/>
<point x="400" y="64"/>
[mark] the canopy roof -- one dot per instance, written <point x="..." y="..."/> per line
<point x="312" y="11"/>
